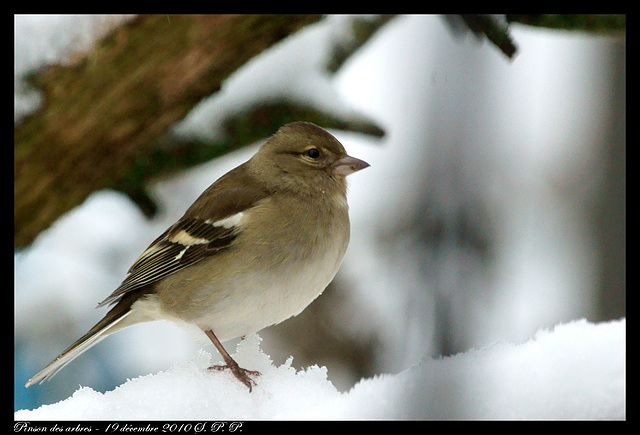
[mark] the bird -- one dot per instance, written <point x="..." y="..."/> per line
<point x="254" y="249"/>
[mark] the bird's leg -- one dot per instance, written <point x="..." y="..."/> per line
<point x="241" y="374"/>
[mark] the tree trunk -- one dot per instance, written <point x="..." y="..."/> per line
<point x="103" y="115"/>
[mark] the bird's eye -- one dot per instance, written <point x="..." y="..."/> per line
<point x="313" y="153"/>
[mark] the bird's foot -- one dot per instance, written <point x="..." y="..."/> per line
<point x="241" y="374"/>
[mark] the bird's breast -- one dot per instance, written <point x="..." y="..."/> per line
<point x="271" y="273"/>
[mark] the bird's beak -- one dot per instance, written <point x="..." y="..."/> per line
<point x="347" y="165"/>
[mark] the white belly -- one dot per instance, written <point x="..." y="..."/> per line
<point x="253" y="308"/>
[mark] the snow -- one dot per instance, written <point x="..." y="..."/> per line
<point x="464" y="127"/>
<point x="574" y="371"/>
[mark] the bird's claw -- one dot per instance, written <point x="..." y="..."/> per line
<point x="241" y="374"/>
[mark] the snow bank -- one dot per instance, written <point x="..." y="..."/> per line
<point x="575" y="371"/>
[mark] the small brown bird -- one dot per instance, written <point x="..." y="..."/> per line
<point x="257" y="247"/>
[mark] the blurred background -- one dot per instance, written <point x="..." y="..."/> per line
<point x="494" y="205"/>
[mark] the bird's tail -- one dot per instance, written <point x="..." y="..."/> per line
<point x="111" y="323"/>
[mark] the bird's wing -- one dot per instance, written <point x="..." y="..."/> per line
<point x="209" y="226"/>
